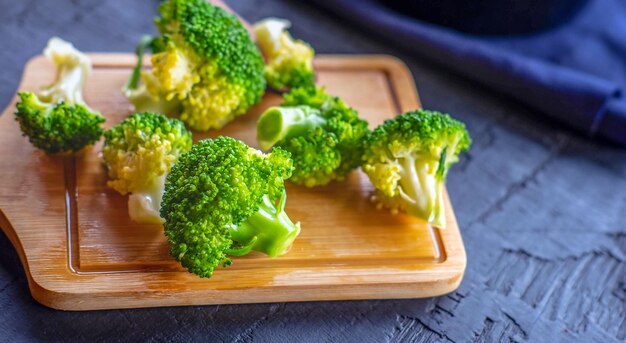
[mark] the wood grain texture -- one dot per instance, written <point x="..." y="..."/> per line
<point x="80" y="251"/>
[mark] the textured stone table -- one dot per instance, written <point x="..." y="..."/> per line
<point x="541" y="209"/>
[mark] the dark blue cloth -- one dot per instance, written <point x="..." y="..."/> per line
<point x="574" y="72"/>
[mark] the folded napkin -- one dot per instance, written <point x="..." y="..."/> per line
<point x="574" y="72"/>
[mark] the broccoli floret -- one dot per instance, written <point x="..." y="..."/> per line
<point x="56" y="119"/>
<point x="205" y="67"/>
<point x="139" y="153"/>
<point x="407" y="159"/>
<point x="221" y="200"/>
<point x="289" y="61"/>
<point x="322" y="133"/>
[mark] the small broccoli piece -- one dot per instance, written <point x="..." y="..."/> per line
<point x="56" y="119"/>
<point x="205" y="67"/>
<point x="322" y="133"/>
<point x="139" y="153"/>
<point x="407" y="159"/>
<point x="289" y="61"/>
<point x="221" y="200"/>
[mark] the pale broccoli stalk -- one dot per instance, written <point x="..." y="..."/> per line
<point x="322" y="133"/>
<point x="144" y="203"/>
<point x="283" y="123"/>
<point x="56" y="119"/>
<point x="223" y="199"/>
<point x="137" y="92"/>
<point x="407" y="159"/>
<point x="139" y="152"/>
<point x="289" y="62"/>
<point x="73" y="68"/>
<point x="420" y="183"/>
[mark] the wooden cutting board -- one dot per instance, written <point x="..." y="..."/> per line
<point x="80" y="251"/>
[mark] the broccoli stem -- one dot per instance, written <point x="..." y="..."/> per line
<point x="269" y="230"/>
<point x="145" y="102"/>
<point x="144" y="205"/>
<point x="73" y="67"/>
<point x="137" y="94"/>
<point x="67" y="87"/>
<point x="279" y="123"/>
<point x="421" y="188"/>
<point x="144" y="43"/>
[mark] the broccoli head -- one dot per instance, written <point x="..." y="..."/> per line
<point x="223" y="198"/>
<point x="56" y="119"/>
<point x="205" y="66"/>
<point x="289" y="61"/>
<point x="322" y="133"/>
<point x="139" y="152"/>
<point x="407" y="159"/>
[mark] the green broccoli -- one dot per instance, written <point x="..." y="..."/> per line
<point x="139" y="152"/>
<point x="205" y="67"/>
<point x="322" y="133"/>
<point x="407" y="159"/>
<point x="289" y="61"/>
<point x="220" y="201"/>
<point x="56" y="119"/>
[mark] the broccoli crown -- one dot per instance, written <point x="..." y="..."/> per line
<point x="212" y="189"/>
<point x="206" y="60"/>
<point x="420" y="133"/>
<point x="289" y="61"/>
<point x="56" y="118"/>
<point x="322" y="133"/>
<point x="141" y="148"/>
<point x="57" y="128"/>
<point x="408" y="157"/>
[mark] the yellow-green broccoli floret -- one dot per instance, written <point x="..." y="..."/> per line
<point x="137" y="93"/>
<point x="223" y="198"/>
<point x="407" y="159"/>
<point x="56" y="119"/>
<point x="289" y="61"/>
<point x="322" y="133"/>
<point x="139" y="152"/>
<point x="205" y="67"/>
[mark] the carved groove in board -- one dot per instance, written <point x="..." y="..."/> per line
<point x="73" y="239"/>
<point x="73" y="228"/>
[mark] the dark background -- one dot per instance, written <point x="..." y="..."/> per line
<point x="541" y="211"/>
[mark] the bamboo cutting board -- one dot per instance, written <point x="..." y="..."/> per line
<point x="80" y="250"/>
